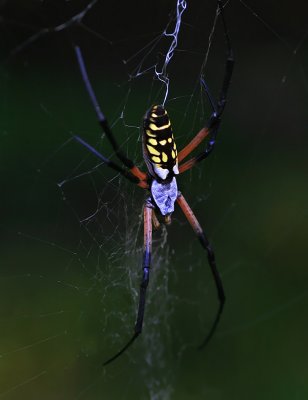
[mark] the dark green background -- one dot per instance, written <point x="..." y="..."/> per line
<point x="67" y="296"/>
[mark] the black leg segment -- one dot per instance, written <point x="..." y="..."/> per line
<point x="145" y="279"/>
<point x="214" y="121"/>
<point x="100" y="115"/>
<point x="211" y="260"/>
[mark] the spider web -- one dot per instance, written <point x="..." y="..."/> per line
<point x="72" y="229"/>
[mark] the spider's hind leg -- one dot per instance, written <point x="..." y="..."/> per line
<point x="211" y="260"/>
<point x="147" y="250"/>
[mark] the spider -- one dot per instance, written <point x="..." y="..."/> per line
<point x="164" y="163"/>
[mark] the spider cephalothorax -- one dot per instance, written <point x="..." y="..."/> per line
<point x="164" y="163"/>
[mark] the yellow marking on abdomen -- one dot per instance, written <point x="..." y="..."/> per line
<point x="169" y="140"/>
<point x="159" y="128"/>
<point x="152" y="150"/>
<point x="155" y="115"/>
<point x="153" y="142"/>
<point x="163" y="142"/>
<point x="156" y="159"/>
<point x="173" y="154"/>
<point x="164" y="157"/>
<point x="149" y="133"/>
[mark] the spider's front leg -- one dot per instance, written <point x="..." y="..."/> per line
<point x="218" y="107"/>
<point x="147" y="250"/>
<point x="211" y="260"/>
<point x="102" y="120"/>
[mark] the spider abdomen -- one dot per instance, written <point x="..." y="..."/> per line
<point x="159" y="148"/>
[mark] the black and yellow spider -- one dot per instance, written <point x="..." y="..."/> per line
<point x="164" y="163"/>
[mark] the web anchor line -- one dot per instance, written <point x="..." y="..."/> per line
<point x="162" y="75"/>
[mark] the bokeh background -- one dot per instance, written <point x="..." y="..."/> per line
<point x="71" y="233"/>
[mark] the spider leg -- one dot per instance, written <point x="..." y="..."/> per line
<point x="215" y="119"/>
<point x="127" y="174"/>
<point x="201" y="135"/>
<point x="211" y="260"/>
<point x="145" y="279"/>
<point x="103" y="121"/>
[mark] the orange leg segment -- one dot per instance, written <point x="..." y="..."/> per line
<point x="189" y="215"/>
<point x="138" y="173"/>
<point x="142" y="176"/>
<point x="193" y="144"/>
<point x="188" y="164"/>
<point x="147" y="242"/>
